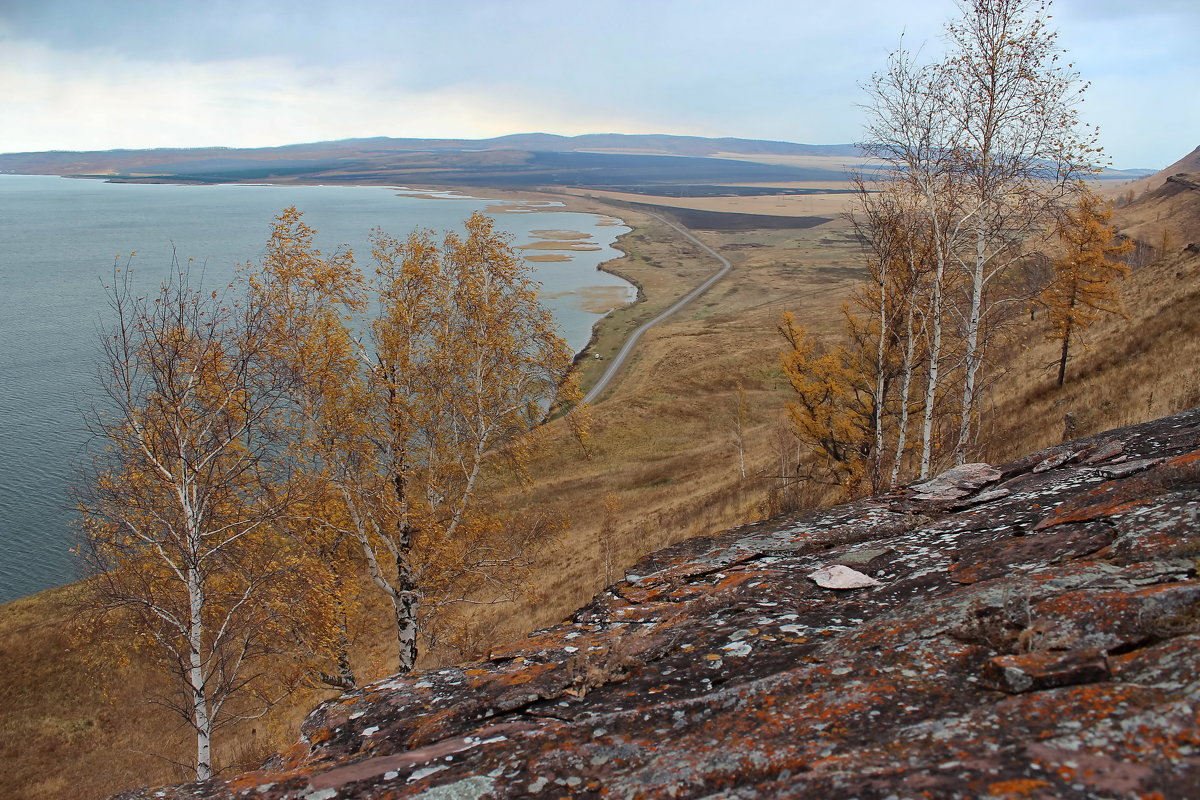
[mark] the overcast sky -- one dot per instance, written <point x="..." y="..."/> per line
<point x="81" y="74"/>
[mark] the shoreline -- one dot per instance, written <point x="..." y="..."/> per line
<point x="555" y="200"/>
<point x="597" y="318"/>
<point x="582" y="356"/>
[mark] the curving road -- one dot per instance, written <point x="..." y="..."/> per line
<point x="614" y="364"/>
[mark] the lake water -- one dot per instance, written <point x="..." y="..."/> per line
<point x="58" y="239"/>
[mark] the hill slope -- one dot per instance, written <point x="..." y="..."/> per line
<point x="518" y="161"/>
<point x="1165" y="204"/>
<point x="1126" y="368"/>
<point x="1029" y="628"/>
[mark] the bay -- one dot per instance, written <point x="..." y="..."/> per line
<point x="58" y="241"/>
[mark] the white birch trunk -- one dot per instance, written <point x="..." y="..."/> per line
<point x="972" y="355"/>
<point x="201" y="720"/>
<point x="935" y="344"/>
<point x="905" y="390"/>
<point x="880" y="382"/>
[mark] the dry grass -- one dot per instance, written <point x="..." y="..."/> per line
<point x="79" y="718"/>
<point x="58" y="707"/>
<point x="1127" y="370"/>
<point x="662" y="439"/>
<point x="662" y="449"/>
<point x="799" y="205"/>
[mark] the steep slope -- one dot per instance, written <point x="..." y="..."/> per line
<point x="1165" y="209"/>
<point x="1029" y="630"/>
<point x="1188" y="164"/>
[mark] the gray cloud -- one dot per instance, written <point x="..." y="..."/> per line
<point x="780" y="69"/>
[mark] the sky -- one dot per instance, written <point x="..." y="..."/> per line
<point x="82" y="75"/>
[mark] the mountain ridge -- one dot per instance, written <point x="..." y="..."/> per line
<point x="661" y="144"/>
<point x="467" y="161"/>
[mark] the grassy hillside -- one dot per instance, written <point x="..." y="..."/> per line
<point x="665" y="462"/>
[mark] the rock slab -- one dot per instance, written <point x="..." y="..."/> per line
<point x="1042" y="641"/>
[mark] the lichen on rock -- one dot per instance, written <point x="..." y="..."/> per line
<point x="1035" y="633"/>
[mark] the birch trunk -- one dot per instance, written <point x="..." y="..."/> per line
<point x="935" y="344"/>
<point x="201" y="720"/>
<point x="973" y="356"/>
<point x="880" y="380"/>
<point x="905" y="391"/>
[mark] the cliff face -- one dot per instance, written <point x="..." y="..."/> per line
<point x="1034" y="632"/>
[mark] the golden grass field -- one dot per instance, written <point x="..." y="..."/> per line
<point x="662" y="465"/>
<point x="808" y="205"/>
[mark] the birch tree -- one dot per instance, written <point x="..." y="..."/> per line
<point x="308" y="301"/>
<point x="466" y="364"/>
<point x="1020" y="150"/>
<point x="988" y="140"/>
<point x="911" y="131"/>
<point x="889" y="222"/>
<point x="405" y="430"/>
<point x="178" y="514"/>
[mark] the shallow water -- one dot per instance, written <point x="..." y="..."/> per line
<point x="58" y="240"/>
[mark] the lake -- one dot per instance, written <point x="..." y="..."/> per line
<point x="58" y="240"/>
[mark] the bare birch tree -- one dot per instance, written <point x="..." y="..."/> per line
<point x="911" y="131"/>
<point x="1020" y="151"/>
<point x="989" y="143"/>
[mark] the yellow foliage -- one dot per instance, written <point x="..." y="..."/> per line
<point x="402" y="440"/>
<point x="261" y="455"/>
<point x="1084" y="284"/>
<point x="829" y="412"/>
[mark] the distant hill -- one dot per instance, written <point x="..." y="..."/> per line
<point x="1166" y="203"/>
<point x="524" y="160"/>
<point x="646" y="144"/>
<point x="1189" y="164"/>
<point x="519" y="160"/>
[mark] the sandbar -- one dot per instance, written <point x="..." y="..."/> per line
<point x="595" y="299"/>
<point x="560" y="235"/>
<point x="547" y="257"/>
<point x="554" y="245"/>
<point x="522" y="208"/>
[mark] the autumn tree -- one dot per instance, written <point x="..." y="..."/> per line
<point x="179" y="511"/>
<point x="1020" y="149"/>
<point x="265" y="443"/>
<point x="308" y="301"/>
<point x="893" y="306"/>
<point x="911" y="131"/>
<point x="987" y="143"/>
<point x="1084" y="284"/>
<point x="833" y="405"/>
<point x="467" y="364"/>
<point x="405" y="435"/>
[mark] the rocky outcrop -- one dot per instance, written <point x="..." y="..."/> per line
<point x="1035" y="633"/>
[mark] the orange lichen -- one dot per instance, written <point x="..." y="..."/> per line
<point x="1020" y="787"/>
<point x="884" y="688"/>
<point x="1184" y="459"/>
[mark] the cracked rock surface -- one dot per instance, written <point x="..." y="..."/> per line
<point x="1035" y="633"/>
